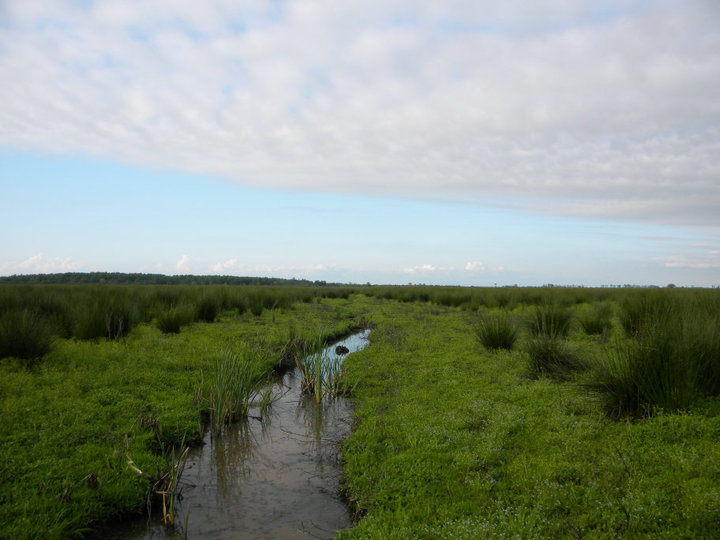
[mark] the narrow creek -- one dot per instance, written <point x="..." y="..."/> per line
<point x="278" y="478"/>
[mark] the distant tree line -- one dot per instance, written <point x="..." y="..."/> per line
<point x="121" y="278"/>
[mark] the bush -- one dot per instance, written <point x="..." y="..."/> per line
<point x="25" y="335"/>
<point x="496" y="333"/>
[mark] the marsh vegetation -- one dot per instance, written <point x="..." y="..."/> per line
<point x="530" y="412"/>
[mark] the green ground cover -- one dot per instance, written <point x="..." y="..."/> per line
<point x="453" y="440"/>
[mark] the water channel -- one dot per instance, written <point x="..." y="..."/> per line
<point x="276" y="478"/>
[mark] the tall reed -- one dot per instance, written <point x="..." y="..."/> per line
<point x="320" y="372"/>
<point x="236" y="379"/>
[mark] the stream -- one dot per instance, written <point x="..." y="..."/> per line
<point x="276" y="478"/>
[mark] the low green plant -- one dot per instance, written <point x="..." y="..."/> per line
<point x="25" y="335"/>
<point x="496" y="332"/>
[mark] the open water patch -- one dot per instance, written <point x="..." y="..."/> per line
<point x="276" y="478"/>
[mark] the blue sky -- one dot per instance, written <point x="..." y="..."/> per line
<point x="399" y="142"/>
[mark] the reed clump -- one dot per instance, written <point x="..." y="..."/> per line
<point x="170" y="321"/>
<point x="549" y="355"/>
<point x="235" y="382"/>
<point x="25" y="335"/>
<point x="321" y="373"/>
<point x="498" y="332"/>
<point x="551" y="320"/>
<point x="671" y="359"/>
<point x="597" y="320"/>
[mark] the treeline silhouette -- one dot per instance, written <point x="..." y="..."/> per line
<point x="121" y="278"/>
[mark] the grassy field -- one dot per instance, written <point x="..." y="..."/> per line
<point x="456" y="440"/>
<point x="528" y="413"/>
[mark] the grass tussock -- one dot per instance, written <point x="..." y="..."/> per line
<point x="498" y="332"/>
<point x="172" y="320"/>
<point x="598" y="319"/>
<point x="321" y="373"/>
<point x="232" y="388"/>
<point x="550" y="320"/>
<point x="25" y="335"/>
<point x="671" y="360"/>
<point x="551" y="356"/>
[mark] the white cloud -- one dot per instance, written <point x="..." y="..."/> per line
<point x="39" y="264"/>
<point x="420" y="269"/>
<point x="183" y="264"/>
<point x="474" y="266"/>
<point x="606" y="109"/>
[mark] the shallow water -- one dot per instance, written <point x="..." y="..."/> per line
<point x="278" y="478"/>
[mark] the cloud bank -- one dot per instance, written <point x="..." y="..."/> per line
<point x="607" y="109"/>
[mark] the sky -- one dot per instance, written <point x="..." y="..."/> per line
<point x="465" y="142"/>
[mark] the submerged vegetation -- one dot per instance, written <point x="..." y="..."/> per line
<point x="521" y="412"/>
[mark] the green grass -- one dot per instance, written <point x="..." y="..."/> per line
<point x="454" y="442"/>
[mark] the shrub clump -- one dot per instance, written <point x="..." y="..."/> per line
<point x="496" y="333"/>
